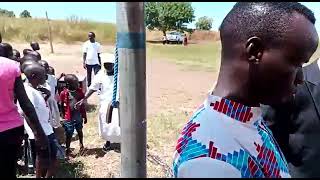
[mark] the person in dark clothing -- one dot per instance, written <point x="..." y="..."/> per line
<point x="296" y="125"/>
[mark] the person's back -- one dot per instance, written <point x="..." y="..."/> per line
<point x="9" y="116"/>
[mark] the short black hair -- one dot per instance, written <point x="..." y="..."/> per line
<point x="33" y="68"/>
<point x="92" y="33"/>
<point x="51" y="70"/>
<point x="70" y="77"/>
<point x="267" y="20"/>
<point x="26" y="51"/>
<point x="5" y="50"/>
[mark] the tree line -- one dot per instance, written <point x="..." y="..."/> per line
<point x="7" y="13"/>
<point x="167" y="16"/>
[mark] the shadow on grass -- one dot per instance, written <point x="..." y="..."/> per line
<point x="71" y="170"/>
<point x="98" y="152"/>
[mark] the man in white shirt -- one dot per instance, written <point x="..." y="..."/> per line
<point x="91" y="56"/>
<point x="103" y="81"/>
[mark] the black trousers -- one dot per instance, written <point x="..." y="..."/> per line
<point x="10" y="143"/>
<point x="95" y="69"/>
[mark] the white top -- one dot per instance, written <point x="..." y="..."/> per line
<point x="107" y="58"/>
<point x="318" y="61"/>
<point x="92" y="50"/>
<point x="226" y="139"/>
<point x="104" y="83"/>
<point x="41" y="108"/>
<point x="52" y="82"/>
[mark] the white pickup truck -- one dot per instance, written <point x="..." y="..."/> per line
<point x="175" y="37"/>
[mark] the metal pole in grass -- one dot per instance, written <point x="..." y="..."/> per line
<point x="132" y="78"/>
<point x="50" y="33"/>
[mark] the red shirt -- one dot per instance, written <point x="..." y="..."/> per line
<point x="65" y="101"/>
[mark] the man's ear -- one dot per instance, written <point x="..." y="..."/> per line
<point x="254" y="49"/>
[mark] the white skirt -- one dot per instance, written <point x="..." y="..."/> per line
<point x="109" y="131"/>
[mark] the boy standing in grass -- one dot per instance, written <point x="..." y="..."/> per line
<point x="35" y="74"/>
<point x="74" y="117"/>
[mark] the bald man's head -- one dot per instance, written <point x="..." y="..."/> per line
<point x="26" y="51"/>
<point x="16" y="55"/>
<point x="35" y="46"/>
<point x="44" y="64"/>
<point x="6" y="50"/>
<point x="27" y="63"/>
<point x="35" y="73"/>
<point x="36" y="54"/>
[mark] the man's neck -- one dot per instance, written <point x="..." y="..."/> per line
<point x="233" y="84"/>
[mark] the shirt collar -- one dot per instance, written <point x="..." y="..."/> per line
<point x="234" y="110"/>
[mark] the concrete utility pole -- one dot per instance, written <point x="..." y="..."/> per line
<point x="132" y="78"/>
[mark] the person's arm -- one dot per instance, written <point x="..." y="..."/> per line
<point x="30" y="112"/>
<point x="99" y="58"/>
<point x="61" y="75"/>
<point x="62" y="97"/>
<point x="95" y="86"/>
<point x="84" y="60"/>
<point x="83" y="108"/>
<point x="99" y="52"/>
<point x="84" y="56"/>
<point x="57" y="81"/>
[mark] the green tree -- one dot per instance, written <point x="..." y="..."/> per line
<point x="6" y="13"/>
<point x="204" y="23"/>
<point x="25" y="14"/>
<point x="166" y="16"/>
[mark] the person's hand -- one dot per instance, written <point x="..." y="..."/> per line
<point x="78" y="104"/>
<point x="45" y="91"/>
<point x="84" y="66"/>
<point x="85" y="120"/>
<point x="42" y="146"/>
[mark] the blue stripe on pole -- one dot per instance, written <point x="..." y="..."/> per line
<point x="131" y="40"/>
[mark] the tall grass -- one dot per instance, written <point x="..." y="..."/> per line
<point x="67" y="31"/>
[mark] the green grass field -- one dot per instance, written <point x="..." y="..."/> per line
<point x="204" y="56"/>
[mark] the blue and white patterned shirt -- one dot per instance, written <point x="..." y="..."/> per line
<point x="227" y="139"/>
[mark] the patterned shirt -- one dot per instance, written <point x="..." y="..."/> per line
<point x="227" y="139"/>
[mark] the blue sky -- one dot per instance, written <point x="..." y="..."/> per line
<point x="106" y="11"/>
